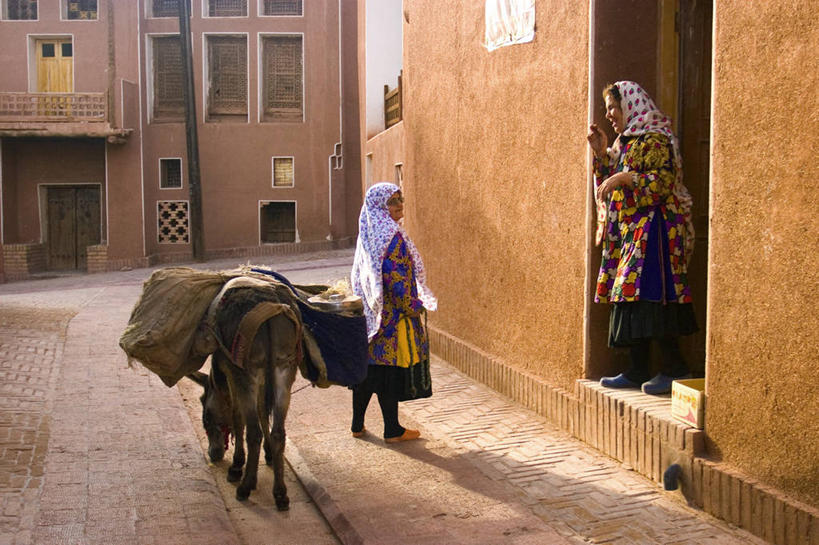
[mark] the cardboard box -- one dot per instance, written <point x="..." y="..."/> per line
<point x="688" y="401"/>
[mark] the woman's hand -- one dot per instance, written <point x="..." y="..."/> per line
<point x="611" y="183"/>
<point x="597" y="140"/>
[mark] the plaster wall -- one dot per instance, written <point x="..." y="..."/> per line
<point x="762" y="411"/>
<point x="383" y="57"/>
<point x="384" y="151"/>
<point x="496" y="180"/>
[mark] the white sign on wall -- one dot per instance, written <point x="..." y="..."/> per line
<point x="509" y="22"/>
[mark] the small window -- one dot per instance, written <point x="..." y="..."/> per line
<point x="172" y="222"/>
<point x="67" y="49"/>
<point x="282" y="78"/>
<point x="227" y="75"/>
<point x="283" y="172"/>
<point x="169" y="94"/>
<point x="80" y="9"/>
<point x="48" y="50"/>
<point x="278" y="222"/>
<point x="20" y="10"/>
<point x="170" y="173"/>
<point x="281" y="7"/>
<point x="399" y="174"/>
<point x="227" y="8"/>
<point x="166" y="8"/>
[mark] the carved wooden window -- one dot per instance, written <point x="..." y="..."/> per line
<point x="170" y="173"/>
<point x="80" y="9"/>
<point x="20" y="10"/>
<point x="166" y="8"/>
<point x="283" y="78"/>
<point x="172" y="222"/>
<point x="283" y="172"/>
<point x="227" y="74"/>
<point x="277" y="222"/>
<point x="169" y="93"/>
<point x="281" y="7"/>
<point x="227" y="8"/>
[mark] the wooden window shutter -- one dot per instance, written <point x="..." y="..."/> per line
<point x="169" y="95"/>
<point x="227" y="8"/>
<point x="166" y="8"/>
<point x="282" y="7"/>
<point x="283" y="78"/>
<point x="227" y="94"/>
<point x="282" y="172"/>
<point x="21" y="10"/>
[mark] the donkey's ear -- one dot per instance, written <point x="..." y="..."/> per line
<point x="199" y="378"/>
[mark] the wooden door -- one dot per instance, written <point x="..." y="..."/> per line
<point x="694" y="133"/>
<point x="55" y="66"/>
<point x="74" y="223"/>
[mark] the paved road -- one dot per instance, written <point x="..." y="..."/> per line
<point x="94" y="452"/>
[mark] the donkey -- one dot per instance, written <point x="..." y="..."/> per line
<point x="250" y="381"/>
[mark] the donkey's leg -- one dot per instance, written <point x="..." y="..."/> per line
<point x="253" y="434"/>
<point x="284" y="375"/>
<point x="235" y="470"/>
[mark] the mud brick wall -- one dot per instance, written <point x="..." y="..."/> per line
<point x="22" y="260"/>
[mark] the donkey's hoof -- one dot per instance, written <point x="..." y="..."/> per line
<point x="234" y="474"/>
<point x="282" y="503"/>
<point x="268" y="459"/>
<point x="242" y="493"/>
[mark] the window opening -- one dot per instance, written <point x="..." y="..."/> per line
<point x="169" y="96"/>
<point x="20" y="10"/>
<point x="227" y="93"/>
<point x="283" y="172"/>
<point x="282" y="7"/>
<point x="227" y="8"/>
<point x="81" y="9"/>
<point x="48" y="51"/>
<point x="278" y="222"/>
<point x="283" y="75"/>
<point x="68" y="49"/>
<point x="172" y="222"/>
<point x="170" y="173"/>
<point x="166" y="8"/>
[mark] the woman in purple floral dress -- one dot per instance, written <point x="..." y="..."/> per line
<point x="644" y="225"/>
<point x="389" y="276"/>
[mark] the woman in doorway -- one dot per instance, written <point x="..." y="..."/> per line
<point x="388" y="274"/>
<point x="644" y="224"/>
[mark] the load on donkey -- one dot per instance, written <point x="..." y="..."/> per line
<point x="258" y="328"/>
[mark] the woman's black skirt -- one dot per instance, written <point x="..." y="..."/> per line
<point x="631" y="323"/>
<point x="403" y="383"/>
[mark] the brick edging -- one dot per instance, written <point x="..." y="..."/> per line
<point x="633" y="435"/>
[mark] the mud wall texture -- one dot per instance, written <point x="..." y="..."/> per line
<point x="495" y="179"/>
<point x="762" y="382"/>
<point x="383" y="152"/>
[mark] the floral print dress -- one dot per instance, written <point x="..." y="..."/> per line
<point x="631" y="221"/>
<point x="399" y="340"/>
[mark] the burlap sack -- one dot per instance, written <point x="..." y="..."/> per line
<point x="163" y="333"/>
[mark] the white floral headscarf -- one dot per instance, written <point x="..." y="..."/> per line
<point x="642" y="116"/>
<point x="376" y="230"/>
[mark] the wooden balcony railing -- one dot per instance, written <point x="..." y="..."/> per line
<point x="393" y="104"/>
<point x="53" y="107"/>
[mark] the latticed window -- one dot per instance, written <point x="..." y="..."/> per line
<point x="170" y="173"/>
<point x="80" y="9"/>
<point x="278" y="222"/>
<point x="166" y="8"/>
<point x="281" y="7"/>
<point x="227" y="8"/>
<point x="20" y="10"/>
<point x="172" y="222"/>
<point x="283" y="172"/>
<point x="227" y="61"/>
<point x="283" y="77"/>
<point x="169" y="94"/>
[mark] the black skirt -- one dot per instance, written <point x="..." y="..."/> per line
<point x="403" y="383"/>
<point x="631" y="323"/>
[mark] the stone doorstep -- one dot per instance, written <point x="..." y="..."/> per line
<point x="639" y="431"/>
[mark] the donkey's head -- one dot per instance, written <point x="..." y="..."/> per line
<point x="217" y="412"/>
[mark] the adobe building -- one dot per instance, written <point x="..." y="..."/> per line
<point x="497" y="177"/>
<point x="94" y="170"/>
